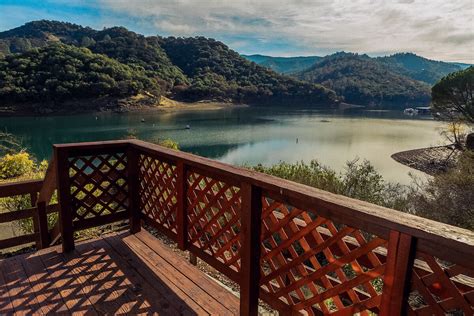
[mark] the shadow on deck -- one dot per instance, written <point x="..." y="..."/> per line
<point x="115" y="274"/>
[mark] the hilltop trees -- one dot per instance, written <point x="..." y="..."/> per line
<point x="189" y="69"/>
<point x="59" y="72"/>
<point x="363" y="80"/>
<point x="215" y="71"/>
<point x="452" y="96"/>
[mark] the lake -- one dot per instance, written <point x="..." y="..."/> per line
<point x="248" y="135"/>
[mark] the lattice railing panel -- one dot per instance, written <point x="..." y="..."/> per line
<point x="213" y="210"/>
<point x="316" y="265"/>
<point x="440" y="288"/>
<point x="158" y="191"/>
<point x="98" y="185"/>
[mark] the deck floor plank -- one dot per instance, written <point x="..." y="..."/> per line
<point x="137" y="286"/>
<point x="173" y="294"/>
<point x="229" y="300"/>
<point x="60" y="269"/>
<point x="174" y="276"/>
<point x="114" y="282"/>
<point x="95" y="271"/>
<point x="116" y="274"/>
<point x="47" y="295"/>
<point x="22" y="297"/>
<point x="6" y="306"/>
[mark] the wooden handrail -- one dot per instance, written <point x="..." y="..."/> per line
<point x="399" y="236"/>
<point x="38" y="212"/>
<point x="20" y="187"/>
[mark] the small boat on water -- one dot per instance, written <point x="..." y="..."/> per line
<point x="188" y="127"/>
<point x="410" y="111"/>
<point x="143" y="120"/>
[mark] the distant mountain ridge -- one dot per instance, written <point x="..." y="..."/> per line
<point x="400" y="78"/>
<point x="182" y="68"/>
<point x="284" y="65"/>
<point x="366" y="81"/>
<point x="407" y="64"/>
<point x="419" y="68"/>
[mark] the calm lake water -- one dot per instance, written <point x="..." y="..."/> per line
<point x="248" y="135"/>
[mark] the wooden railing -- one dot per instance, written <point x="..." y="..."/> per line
<point x="36" y="194"/>
<point x="300" y="249"/>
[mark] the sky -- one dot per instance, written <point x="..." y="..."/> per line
<point x="436" y="29"/>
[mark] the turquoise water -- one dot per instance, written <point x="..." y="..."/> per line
<point x="248" y="135"/>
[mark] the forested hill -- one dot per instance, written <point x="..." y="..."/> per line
<point x="284" y="65"/>
<point x="183" y="68"/>
<point x="406" y="64"/>
<point x="419" y="68"/>
<point x="57" y="73"/>
<point x="212" y="66"/>
<point x="362" y="80"/>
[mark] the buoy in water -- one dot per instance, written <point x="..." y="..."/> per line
<point x="143" y="120"/>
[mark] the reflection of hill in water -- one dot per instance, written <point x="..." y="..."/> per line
<point x="239" y="120"/>
<point x="211" y="151"/>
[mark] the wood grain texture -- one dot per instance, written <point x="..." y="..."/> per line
<point x="116" y="274"/>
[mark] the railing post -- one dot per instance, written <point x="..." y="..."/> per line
<point x="42" y="219"/>
<point x="400" y="258"/>
<point x="181" y="216"/>
<point x="251" y="223"/>
<point x="133" y="189"/>
<point x="64" y="195"/>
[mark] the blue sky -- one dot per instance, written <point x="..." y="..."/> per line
<point x="436" y="29"/>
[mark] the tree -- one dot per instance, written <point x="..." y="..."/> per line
<point x="87" y="41"/>
<point x="20" y="44"/>
<point x="452" y="96"/>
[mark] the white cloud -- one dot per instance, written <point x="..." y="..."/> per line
<point x="437" y="29"/>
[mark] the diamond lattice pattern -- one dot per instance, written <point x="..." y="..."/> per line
<point x="316" y="265"/>
<point x="439" y="287"/>
<point x="158" y="191"/>
<point x="213" y="209"/>
<point x="98" y="185"/>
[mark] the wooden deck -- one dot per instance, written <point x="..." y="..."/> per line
<point x="294" y="247"/>
<point x="116" y="274"/>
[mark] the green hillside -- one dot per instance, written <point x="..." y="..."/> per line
<point x="59" y="72"/>
<point x="218" y="72"/>
<point x="284" y="65"/>
<point x="362" y="80"/>
<point x="418" y="68"/>
<point x="182" y="68"/>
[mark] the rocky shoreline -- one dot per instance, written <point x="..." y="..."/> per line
<point x="430" y="160"/>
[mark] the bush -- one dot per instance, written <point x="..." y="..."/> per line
<point x="15" y="165"/>
<point x="448" y="197"/>
<point x="359" y="180"/>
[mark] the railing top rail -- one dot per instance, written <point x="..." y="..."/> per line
<point x="433" y="237"/>
<point x="20" y="187"/>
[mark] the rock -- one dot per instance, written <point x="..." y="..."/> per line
<point x="470" y="141"/>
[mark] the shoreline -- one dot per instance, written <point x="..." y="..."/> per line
<point x="166" y="106"/>
<point x="429" y="160"/>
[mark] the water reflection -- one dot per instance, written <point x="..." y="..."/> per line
<point x="248" y="135"/>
